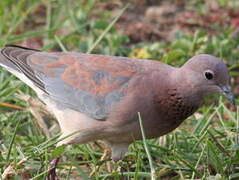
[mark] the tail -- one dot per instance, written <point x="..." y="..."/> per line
<point x="13" y="51"/>
<point x="14" y="59"/>
<point x="5" y="63"/>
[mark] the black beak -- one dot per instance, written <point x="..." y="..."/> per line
<point x="226" y="90"/>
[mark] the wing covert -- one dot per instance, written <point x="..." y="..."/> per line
<point x="88" y="83"/>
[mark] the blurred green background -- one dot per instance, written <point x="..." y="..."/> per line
<point x="206" y="146"/>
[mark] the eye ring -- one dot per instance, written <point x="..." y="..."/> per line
<point x="209" y="75"/>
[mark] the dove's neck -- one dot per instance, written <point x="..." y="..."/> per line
<point x="181" y="81"/>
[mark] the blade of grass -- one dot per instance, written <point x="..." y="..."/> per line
<point x="207" y="124"/>
<point x="53" y="43"/>
<point x="12" y="140"/>
<point x="234" y="176"/>
<point x="48" y="15"/>
<point x="199" y="159"/>
<point x="16" y="23"/>
<point x="214" y="158"/>
<point x="107" y="29"/>
<point x="82" y="172"/>
<point x="27" y="35"/>
<point x="60" y="44"/>
<point x="237" y="128"/>
<point x="200" y="124"/>
<point x="48" y="143"/>
<point x="153" y="175"/>
<point x="40" y="174"/>
<point x="230" y="113"/>
<point x="180" y="158"/>
<point x="218" y="144"/>
<point x="140" y="175"/>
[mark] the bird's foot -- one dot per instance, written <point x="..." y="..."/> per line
<point x="52" y="170"/>
<point x="103" y="158"/>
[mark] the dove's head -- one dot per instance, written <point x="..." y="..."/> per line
<point x="208" y="75"/>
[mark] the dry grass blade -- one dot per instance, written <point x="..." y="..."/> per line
<point x="12" y="106"/>
<point x="37" y="109"/>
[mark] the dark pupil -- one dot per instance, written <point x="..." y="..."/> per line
<point x="208" y="75"/>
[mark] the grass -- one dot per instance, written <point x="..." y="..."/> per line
<point x="153" y="176"/>
<point x="206" y="146"/>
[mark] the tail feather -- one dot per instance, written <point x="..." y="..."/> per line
<point x="4" y="62"/>
<point x="14" y="60"/>
<point x="6" y="56"/>
<point x="21" y="47"/>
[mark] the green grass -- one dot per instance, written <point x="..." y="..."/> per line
<point x="206" y="147"/>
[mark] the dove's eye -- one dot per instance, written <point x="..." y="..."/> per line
<point x="209" y="75"/>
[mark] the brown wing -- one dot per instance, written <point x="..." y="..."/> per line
<point x="91" y="84"/>
<point x="95" y="74"/>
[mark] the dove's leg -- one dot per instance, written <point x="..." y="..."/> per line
<point x="52" y="170"/>
<point x="106" y="155"/>
<point x="118" y="150"/>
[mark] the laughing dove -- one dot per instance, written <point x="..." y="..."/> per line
<point x="99" y="96"/>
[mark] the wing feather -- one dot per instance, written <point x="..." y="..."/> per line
<point x="88" y="83"/>
<point x="18" y="56"/>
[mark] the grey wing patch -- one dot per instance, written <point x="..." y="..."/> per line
<point x="75" y="95"/>
<point x="96" y="107"/>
